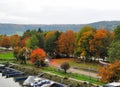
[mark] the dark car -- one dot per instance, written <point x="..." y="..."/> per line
<point x="56" y="85"/>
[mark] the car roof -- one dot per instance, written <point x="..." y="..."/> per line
<point x="113" y="84"/>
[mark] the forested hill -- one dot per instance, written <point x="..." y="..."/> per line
<point x="20" y="28"/>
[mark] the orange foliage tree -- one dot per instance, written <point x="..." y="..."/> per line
<point x="37" y="55"/>
<point x="110" y="72"/>
<point x="100" y="43"/>
<point x="66" y="42"/>
<point x="14" y="40"/>
<point x="5" y="42"/>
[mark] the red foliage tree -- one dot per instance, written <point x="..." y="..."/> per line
<point x="37" y="54"/>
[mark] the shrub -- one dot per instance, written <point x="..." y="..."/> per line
<point x="110" y="72"/>
<point x="65" y="66"/>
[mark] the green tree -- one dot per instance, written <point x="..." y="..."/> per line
<point x="29" y="33"/>
<point x="28" y="43"/>
<point x="117" y="33"/>
<point x="113" y="51"/>
<point x="39" y="30"/>
<point x="50" y="41"/>
<point x="32" y="42"/>
<point x="40" y="37"/>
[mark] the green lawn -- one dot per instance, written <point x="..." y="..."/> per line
<point x="8" y="55"/>
<point x="75" y="63"/>
<point x="82" y="65"/>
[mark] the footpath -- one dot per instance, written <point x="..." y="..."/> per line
<point x="87" y="73"/>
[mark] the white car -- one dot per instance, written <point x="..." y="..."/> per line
<point x="113" y="84"/>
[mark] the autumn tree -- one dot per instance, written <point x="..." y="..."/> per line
<point x="23" y="41"/>
<point x="111" y="72"/>
<point x="16" y="52"/>
<point x="1" y="36"/>
<point x="82" y="30"/>
<point x="82" y="41"/>
<point x="65" y="42"/>
<point x="38" y="56"/>
<point x="83" y="44"/>
<point x="5" y="42"/>
<point x="15" y="40"/>
<point x="22" y="55"/>
<point x="100" y="43"/>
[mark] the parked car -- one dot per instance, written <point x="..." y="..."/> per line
<point x="56" y="85"/>
<point x="113" y="84"/>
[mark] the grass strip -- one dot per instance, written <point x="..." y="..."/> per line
<point x="73" y="75"/>
<point x="8" y="55"/>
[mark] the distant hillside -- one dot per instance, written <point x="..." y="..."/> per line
<point x="20" y="28"/>
<point x="110" y="25"/>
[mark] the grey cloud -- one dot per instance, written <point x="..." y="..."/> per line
<point x="55" y="12"/>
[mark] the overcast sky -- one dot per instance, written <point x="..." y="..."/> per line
<point x="58" y="11"/>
